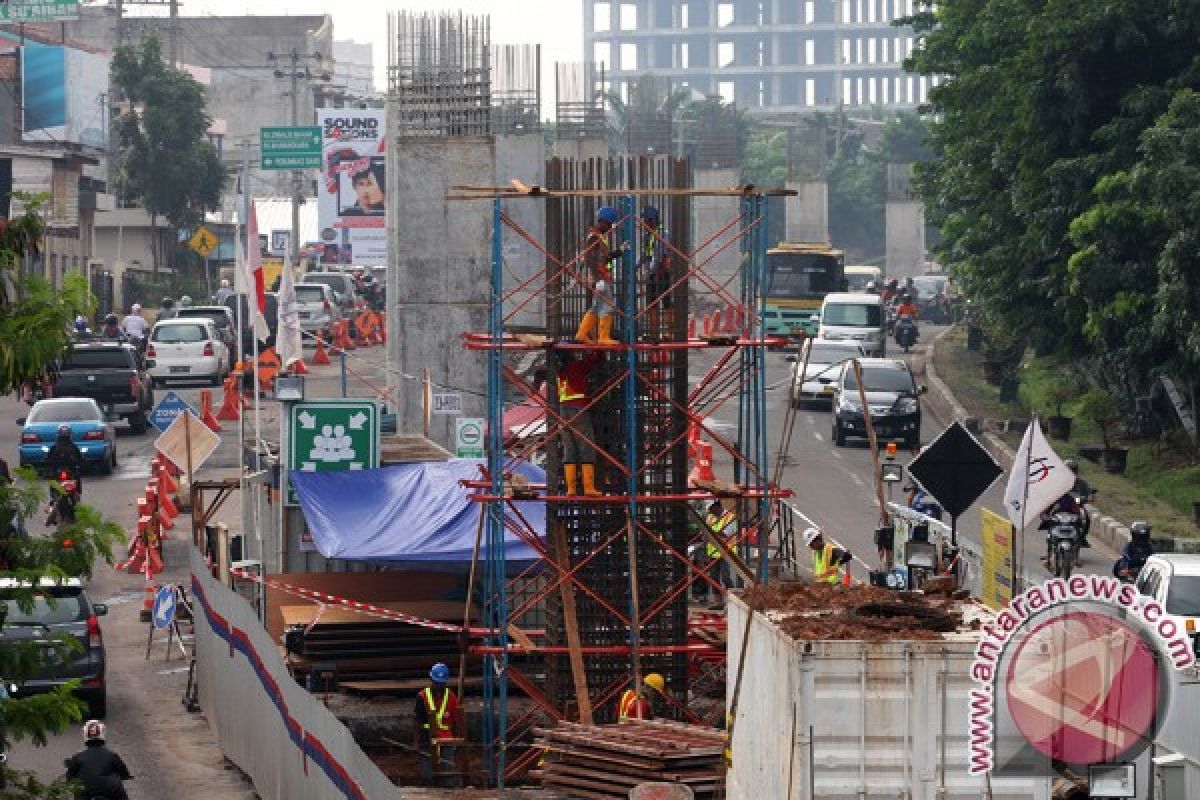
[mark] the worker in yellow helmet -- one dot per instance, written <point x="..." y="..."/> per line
<point x="642" y="704"/>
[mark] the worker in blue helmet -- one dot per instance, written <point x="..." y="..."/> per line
<point x="438" y="727"/>
<point x="654" y="263"/>
<point x="599" y="253"/>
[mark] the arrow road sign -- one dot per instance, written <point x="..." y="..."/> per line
<point x="164" y="607"/>
<point x="332" y="436"/>
<point x="170" y="407"/>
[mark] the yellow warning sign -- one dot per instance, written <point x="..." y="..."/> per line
<point x="203" y="241"/>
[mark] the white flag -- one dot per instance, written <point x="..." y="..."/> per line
<point x="249" y="279"/>
<point x="288" y="340"/>
<point x="1039" y="477"/>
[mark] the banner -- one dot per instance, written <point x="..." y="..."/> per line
<point x="352" y="191"/>
<point x="996" y="535"/>
<point x="63" y="89"/>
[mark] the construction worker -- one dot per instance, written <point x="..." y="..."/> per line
<point x="578" y="435"/>
<point x="438" y="717"/>
<point x="596" y="325"/>
<point x="722" y="523"/>
<point x="828" y="561"/>
<point x="642" y="705"/>
<point x="655" y="263"/>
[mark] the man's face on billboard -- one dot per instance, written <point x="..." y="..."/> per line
<point x="367" y="189"/>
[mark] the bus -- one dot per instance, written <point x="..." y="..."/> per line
<point x="799" y="275"/>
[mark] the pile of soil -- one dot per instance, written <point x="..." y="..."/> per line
<point x="860" y="613"/>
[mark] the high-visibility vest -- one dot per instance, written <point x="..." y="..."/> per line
<point x="566" y="394"/>
<point x="824" y="570"/>
<point x="717" y="524"/>
<point x="441" y="721"/>
<point x="632" y="706"/>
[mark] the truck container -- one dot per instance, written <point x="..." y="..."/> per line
<point x="851" y="720"/>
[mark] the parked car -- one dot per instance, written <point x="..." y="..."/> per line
<point x="187" y="349"/>
<point x="342" y="283"/>
<point x="825" y="361"/>
<point x="59" y="610"/>
<point x="91" y="432"/>
<point x="221" y="316"/>
<point x="111" y="373"/>
<point x="272" y="314"/>
<point x="892" y="395"/>
<point x="1173" y="580"/>
<point x="318" y="309"/>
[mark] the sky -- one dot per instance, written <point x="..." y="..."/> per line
<point x="556" y="24"/>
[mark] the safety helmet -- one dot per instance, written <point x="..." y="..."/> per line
<point x="607" y="214"/>
<point x="94" y="731"/>
<point x="655" y="682"/>
<point x="811" y="535"/>
<point x="1072" y="465"/>
<point x="136" y="308"/>
<point x="650" y="214"/>
<point x="439" y="673"/>
<point x="64" y="433"/>
<point x="1140" y="530"/>
<point x="185" y="301"/>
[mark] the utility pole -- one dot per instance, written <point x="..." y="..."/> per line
<point x="174" y="38"/>
<point x="293" y="70"/>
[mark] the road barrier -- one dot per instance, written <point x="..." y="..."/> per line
<point x="284" y="738"/>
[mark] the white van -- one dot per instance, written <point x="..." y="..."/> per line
<point x="857" y="278"/>
<point x="856" y="317"/>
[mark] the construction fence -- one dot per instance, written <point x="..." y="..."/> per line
<point x="289" y="744"/>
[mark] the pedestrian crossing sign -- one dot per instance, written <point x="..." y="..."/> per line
<point x="203" y="241"/>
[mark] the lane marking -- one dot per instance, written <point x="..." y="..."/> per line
<point x="854" y="477"/>
<point x="818" y="436"/>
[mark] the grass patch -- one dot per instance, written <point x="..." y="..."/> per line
<point x="1161" y="479"/>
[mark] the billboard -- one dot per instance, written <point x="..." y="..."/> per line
<point x="63" y="91"/>
<point x="351" y="195"/>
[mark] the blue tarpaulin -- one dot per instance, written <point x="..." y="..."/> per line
<point x="408" y="512"/>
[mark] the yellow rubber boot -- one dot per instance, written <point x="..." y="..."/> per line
<point x="569" y="474"/>
<point x="587" y="327"/>
<point x="606" y="326"/>
<point x="589" y="481"/>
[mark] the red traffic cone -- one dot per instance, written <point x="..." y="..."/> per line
<point x="230" y="399"/>
<point x="297" y="367"/>
<point x="320" y="357"/>
<point x="206" y="411"/>
<point x="166" y="479"/>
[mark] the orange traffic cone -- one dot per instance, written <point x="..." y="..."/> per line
<point x="320" y="357"/>
<point x="166" y="479"/>
<point x="164" y="496"/>
<point x="297" y="367"/>
<point x="170" y="465"/>
<point x="341" y="337"/>
<point x="230" y="398"/>
<point x="206" y="412"/>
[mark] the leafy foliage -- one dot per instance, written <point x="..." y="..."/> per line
<point x="167" y="163"/>
<point x="1067" y="179"/>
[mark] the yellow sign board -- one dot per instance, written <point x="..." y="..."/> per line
<point x="203" y="241"/>
<point x="996" y="533"/>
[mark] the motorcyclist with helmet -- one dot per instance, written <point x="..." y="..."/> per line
<point x="168" y="309"/>
<point x="1133" y="555"/>
<point x="112" y="327"/>
<point x="100" y="770"/>
<point x="64" y="455"/>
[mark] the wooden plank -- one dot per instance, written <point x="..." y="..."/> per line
<point x="583" y="699"/>
<point x="339" y="615"/>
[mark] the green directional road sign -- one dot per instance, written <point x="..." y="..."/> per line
<point x="332" y="436"/>
<point x="291" y="148"/>
<point x="39" y="10"/>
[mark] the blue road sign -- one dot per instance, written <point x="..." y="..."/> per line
<point x="164" y="607"/>
<point x="170" y="407"/>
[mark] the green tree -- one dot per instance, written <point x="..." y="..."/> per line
<point x="167" y="163"/>
<point x="34" y="319"/>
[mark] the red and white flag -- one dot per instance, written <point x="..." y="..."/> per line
<point x="252" y="281"/>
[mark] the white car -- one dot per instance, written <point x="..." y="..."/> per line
<point x="1173" y="579"/>
<point x="187" y="350"/>
<point x="825" y="361"/>
<point x="318" y="309"/>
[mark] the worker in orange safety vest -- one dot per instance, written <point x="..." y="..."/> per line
<point x="641" y="704"/>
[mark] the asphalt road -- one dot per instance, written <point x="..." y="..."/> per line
<point x="834" y="486"/>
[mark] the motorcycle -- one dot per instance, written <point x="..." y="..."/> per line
<point x="906" y="332"/>
<point x="1062" y="544"/>
<point x="62" y="505"/>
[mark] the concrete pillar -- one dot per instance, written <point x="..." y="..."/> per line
<point x="438" y="282"/>
<point x="524" y="158"/>
<point x="709" y="215"/>
<point x="808" y="212"/>
<point x="905" y="220"/>
<point x="581" y="149"/>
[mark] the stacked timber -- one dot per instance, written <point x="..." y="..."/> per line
<point x="599" y="762"/>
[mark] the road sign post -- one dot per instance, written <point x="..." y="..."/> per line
<point x="332" y="436"/>
<point x="293" y="147"/>
<point x="188" y="442"/>
<point x="468" y="437"/>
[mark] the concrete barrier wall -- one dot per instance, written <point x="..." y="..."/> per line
<point x="289" y="744"/>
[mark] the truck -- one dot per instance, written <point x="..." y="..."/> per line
<point x="799" y="275"/>
<point x="112" y="374"/>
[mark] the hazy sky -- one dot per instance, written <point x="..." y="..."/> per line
<point x="556" y="24"/>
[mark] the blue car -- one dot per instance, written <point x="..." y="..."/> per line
<point x="92" y="434"/>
